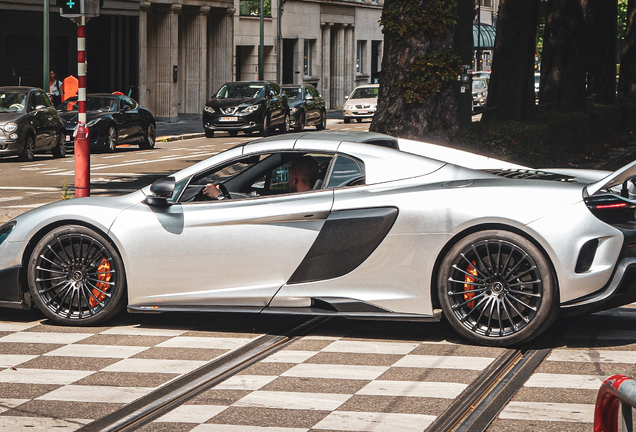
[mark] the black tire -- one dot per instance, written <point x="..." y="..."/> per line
<point x="284" y="128"/>
<point x="110" y="140"/>
<point x="497" y="288"/>
<point x="265" y="126"/>
<point x="76" y="277"/>
<point x="233" y="133"/>
<point x="150" y="137"/>
<point x="359" y="120"/>
<point x="59" y="151"/>
<point x="323" y="121"/>
<point x="301" y="123"/>
<point x="28" y="152"/>
<point x="347" y="120"/>
<point x="209" y="133"/>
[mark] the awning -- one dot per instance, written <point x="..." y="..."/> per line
<point x="483" y="36"/>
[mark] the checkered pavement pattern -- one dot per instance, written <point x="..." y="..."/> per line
<point x="82" y="374"/>
<point x="331" y="383"/>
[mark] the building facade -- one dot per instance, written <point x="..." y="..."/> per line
<point x="172" y="56"/>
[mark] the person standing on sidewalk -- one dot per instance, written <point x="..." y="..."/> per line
<point x="55" y="88"/>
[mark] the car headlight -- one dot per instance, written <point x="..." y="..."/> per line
<point x="293" y="110"/>
<point x="349" y="107"/>
<point x="250" y="109"/>
<point x="92" y="122"/>
<point x="372" y="107"/>
<point x="208" y="109"/>
<point x="10" y="127"/>
<point x="5" y="230"/>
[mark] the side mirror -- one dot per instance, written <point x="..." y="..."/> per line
<point x="161" y="190"/>
<point x="346" y="97"/>
<point x="39" y="107"/>
<point x="309" y="97"/>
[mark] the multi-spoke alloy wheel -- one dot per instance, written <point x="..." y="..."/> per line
<point x="76" y="277"/>
<point x="497" y="288"/>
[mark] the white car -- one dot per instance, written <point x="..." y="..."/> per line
<point x="361" y="103"/>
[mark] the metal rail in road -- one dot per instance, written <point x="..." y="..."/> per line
<point x="473" y="411"/>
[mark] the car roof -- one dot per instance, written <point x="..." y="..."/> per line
<point x="368" y="85"/>
<point x="17" y="88"/>
<point x="337" y="136"/>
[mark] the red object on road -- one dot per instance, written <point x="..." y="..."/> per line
<point x="615" y="391"/>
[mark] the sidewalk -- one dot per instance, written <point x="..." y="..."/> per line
<point x="186" y="128"/>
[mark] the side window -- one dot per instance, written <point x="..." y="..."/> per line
<point x="43" y="100"/>
<point x="346" y="172"/>
<point x="32" y="101"/>
<point x="125" y="103"/>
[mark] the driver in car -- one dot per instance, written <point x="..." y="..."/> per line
<point x="303" y="173"/>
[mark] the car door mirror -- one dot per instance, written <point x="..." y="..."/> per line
<point x="346" y="97"/>
<point x="39" y="107"/>
<point x="161" y="190"/>
<point x="309" y="97"/>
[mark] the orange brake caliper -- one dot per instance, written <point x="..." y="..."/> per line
<point x="104" y="275"/>
<point x="469" y="279"/>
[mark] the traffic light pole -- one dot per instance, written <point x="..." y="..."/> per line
<point x="82" y="141"/>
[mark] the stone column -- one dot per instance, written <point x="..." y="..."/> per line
<point x="220" y="50"/>
<point x="143" y="53"/>
<point x="194" y="65"/>
<point x="166" y="93"/>
<point x="349" y="60"/>
<point x="325" y="71"/>
<point x="338" y="67"/>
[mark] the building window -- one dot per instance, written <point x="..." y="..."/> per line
<point x="307" y="58"/>
<point x="360" y="57"/>
<point x="252" y="8"/>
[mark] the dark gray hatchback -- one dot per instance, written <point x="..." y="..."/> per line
<point x="29" y="124"/>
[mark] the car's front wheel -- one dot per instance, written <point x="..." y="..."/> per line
<point x="76" y="276"/>
<point x="265" y="126"/>
<point x="301" y="123"/>
<point x="111" y="139"/>
<point x="497" y="288"/>
<point x="209" y="133"/>
<point x="323" y="121"/>
<point x="150" y="136"/>
<point x="284" y="127"/>
<point x="347" y="120"/>
<point x="59" y="151"/>
<point x="28" y="152"/>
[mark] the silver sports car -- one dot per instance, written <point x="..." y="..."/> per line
<point x="391" y="229"/>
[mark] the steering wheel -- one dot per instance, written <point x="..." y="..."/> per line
<point x="200" y="196"/>
<point x="17" y="107"/>
<point x="224" y="191"/>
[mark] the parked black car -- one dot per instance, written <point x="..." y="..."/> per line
<point x="112" y="119"/>
<point x="306" y="107"/>
<point x="246" y="106"/>
<point x="29" y="124"/>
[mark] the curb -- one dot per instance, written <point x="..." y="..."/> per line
<point x="168" y="138"/>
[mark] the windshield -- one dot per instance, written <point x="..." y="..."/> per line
<point x="365" y="93"/>
<point x="479" y="85"/>
<point x="13" y="101"/>
<point x="241" y="90"/>
<point x="99" y="103"/>
<point x="293" y="93"/>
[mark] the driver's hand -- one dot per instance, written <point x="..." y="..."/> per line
<point x="211" y="190"/>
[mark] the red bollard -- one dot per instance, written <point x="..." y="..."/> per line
<point x="82" y="162"/>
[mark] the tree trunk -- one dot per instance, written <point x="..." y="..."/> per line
<point x="433" y="117"/>
<point x="564" y="63"/>
<point x="601" y="77"/>
<point x="627" y="80"/>
<point x="511" y="89"/>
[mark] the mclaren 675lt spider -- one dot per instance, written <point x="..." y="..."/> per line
<point x="390" y="229"/>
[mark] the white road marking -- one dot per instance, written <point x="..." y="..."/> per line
<point x="114" y="156"/>
<point x="197" y="414"/>
<point x="34" y="424"/>
<point x="104" y="394"/>
<point x="45" y="338"/>
<point x="26" y="188"/>
<point x="18" y="198"/>
<point x="240" y="428"/>
<point x="42" y="376"/>
<point x="155" y="366"/>
<point x="293" y="400"/>
<point x="289" y="356"/>
<point x="540" y="411"/>
<point x="444" y="362"/>
<point x="385" y="422"/>
<point x="567" y="381"/>
<point x="355" y="372"/>
<point x="97" y="351"/>
<point x="204" y="342"/>
<point x="364" y="347"/>
<point x="246" y="382"/>
<point x="593" y="356"/>
<point x="136" y="330"/>
<point x="7" y="326"/>
<point x="409" y="388"/>
<point x="7" y="404"/>
<point x="10" y="360"/>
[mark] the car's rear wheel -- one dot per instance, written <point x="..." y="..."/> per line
<point x="347" y="120"/>
<point x="233" y="133"/>
<point x="76" y="276"/>
<point x="150" y="136"/>
<point x="284" y="127"/>
<point x="28" y="152"/>
<point x="111" y="139"/>
<point x="209" y="133"/>
<point x="323" y="121"/>
<point x="497" y="288"/>
<point x="59" y="151"/>
<point x="359" y="120"/>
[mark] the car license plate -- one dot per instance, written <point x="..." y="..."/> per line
<point x="68" y="138"/>
<point x="363" y="112"/>
<point x="228" y="119"/>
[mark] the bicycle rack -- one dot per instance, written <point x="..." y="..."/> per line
<point x="616" y="391"/>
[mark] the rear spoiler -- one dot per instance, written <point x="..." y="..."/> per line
<point x="618" y="177"/>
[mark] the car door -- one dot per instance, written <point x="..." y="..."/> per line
<point x="40" y="119"/>
<point x="131" y="120"/>
<point x="275" y="103"/>
<point x="313" y="104"/>
<point x="234" y="253"/>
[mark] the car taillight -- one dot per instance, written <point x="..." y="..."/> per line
<point x="613" y="209"/>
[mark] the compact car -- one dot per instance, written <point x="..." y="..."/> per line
<point x="29" y="124"/>
<point x="361" y="103"/>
